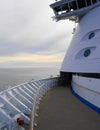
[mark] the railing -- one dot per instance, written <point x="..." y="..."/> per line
<point x="17" y="104"/>
<point x="41" y="91"/>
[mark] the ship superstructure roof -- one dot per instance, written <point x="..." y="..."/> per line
<point x="73" y="9"/>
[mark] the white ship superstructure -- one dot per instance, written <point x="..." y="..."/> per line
<point x="81" y="65"/>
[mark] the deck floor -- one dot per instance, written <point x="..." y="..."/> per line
<point x="60" y="110"/>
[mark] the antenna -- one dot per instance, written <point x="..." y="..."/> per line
<point x="74" y="29"/>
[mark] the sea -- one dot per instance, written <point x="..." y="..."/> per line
<point x="15" y="76"/>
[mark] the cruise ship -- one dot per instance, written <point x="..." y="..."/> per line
<point x="81" y="65"/>
<point x="80" y="71"/>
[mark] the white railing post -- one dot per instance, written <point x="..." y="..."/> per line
<point x="50" y="83"/>
<point x="23" y="99"/>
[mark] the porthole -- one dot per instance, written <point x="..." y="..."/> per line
<point x="91" y="35"/>
<point x="87" y="52"/>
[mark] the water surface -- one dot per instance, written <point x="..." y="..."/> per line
<point x="15" y="76"/>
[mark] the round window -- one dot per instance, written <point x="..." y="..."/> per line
<point x="91" y="35"/>
<point x="87" y="52"/>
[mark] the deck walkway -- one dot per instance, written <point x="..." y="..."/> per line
<point x="60" y="110"/>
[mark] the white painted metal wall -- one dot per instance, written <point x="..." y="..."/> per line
<point x="87" y="88"/>
<point x="87" y="36"/>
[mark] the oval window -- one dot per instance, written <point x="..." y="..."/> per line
<point x="91" y="35"/>
<point x="87" y="52"/>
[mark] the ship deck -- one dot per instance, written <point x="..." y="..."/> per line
<point x="60" y="110"/>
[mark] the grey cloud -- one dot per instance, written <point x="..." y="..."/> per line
<point x="26" y="26"/>
<point x="50" y="45"/>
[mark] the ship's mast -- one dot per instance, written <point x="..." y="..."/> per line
<point x="73" y="9"/>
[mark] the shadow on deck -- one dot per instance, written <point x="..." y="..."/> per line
<point x="60" y="110"/>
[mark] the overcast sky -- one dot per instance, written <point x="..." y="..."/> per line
<point x="28" y="35"/>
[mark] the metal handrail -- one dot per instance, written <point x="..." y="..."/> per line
<point x="32" y="118"/>
<point x="33" y="110"/>
<point x="9" y="97"/>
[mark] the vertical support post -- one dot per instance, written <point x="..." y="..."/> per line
<point x="68" y="6"/>
<point x="56" y="13"/>
<point x="91" y="2"/>
<point x="76" y="4"/>
<point x="86" y="3"/>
